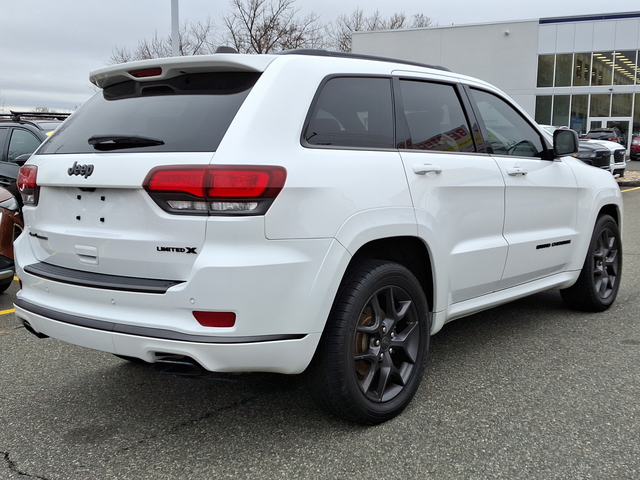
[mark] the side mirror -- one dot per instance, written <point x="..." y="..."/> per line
<point x="565" y="142"/>
<point x="22" y="159"/>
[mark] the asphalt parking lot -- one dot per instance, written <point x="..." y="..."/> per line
<point x="529" y="390"/>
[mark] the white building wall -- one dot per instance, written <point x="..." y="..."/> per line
<point x="627" y="34"/>
<point x="504" y="54"/>
<point x="509" y="61"/>
<point x="589" y="36"/>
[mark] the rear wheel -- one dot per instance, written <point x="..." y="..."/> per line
<point x="599" y="280"/>
<point x="373" y="352"/>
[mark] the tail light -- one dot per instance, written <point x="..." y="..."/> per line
<point x="215" y="190"/>
<point x="27" y="186"/>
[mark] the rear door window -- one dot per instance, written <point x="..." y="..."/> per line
<point x="21" y="142"/>
<point x="435" y="118"/>
<point x="352" y="112"/>
<point x="188" y="113"/>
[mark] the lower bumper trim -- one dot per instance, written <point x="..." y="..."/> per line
<point x="146" y="331"/>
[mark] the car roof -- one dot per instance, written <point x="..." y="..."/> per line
<point x="44" y="121"/>
<point x="158" y="69"/>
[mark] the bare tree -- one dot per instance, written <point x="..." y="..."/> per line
<point x="420" y="20"/>
<point x="340" y="32"/>
<point x="264" y="26"/>
<point x="196" y="38"/>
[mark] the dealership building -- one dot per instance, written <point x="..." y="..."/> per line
<point x="581" y="72"/>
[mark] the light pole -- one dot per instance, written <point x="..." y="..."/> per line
<point x="175" y="29"/>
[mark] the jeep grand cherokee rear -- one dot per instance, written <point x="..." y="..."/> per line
<point x="307" y="211"/>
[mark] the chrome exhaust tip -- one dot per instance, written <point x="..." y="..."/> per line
<point x="178" y="365"/>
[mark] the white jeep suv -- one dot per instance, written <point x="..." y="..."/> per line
<point x="305" y="211"/>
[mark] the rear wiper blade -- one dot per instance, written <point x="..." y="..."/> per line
<point x="115" y="142"/>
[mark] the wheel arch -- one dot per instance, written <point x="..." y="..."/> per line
<point x="613" y="211"/>
<point x="411" y="252"/>
<point x="592" y="204"/>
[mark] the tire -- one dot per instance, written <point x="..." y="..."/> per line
<point x="599" y="280"/>
<point x="5" y="284"/>
<point x="371" y="358"/>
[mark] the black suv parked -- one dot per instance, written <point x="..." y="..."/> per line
<point x="21" y="133"/>
<point x="611" y="134"/>
<point x="594" y="154"/>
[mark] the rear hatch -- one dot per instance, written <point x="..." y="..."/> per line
<point x="93" y="213"/>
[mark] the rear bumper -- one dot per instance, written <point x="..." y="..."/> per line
<point x="288" y="354"/>
<point x="280" y="292"/>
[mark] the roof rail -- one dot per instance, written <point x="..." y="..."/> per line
<point x="18" y="116"/>
<point x="328" y="53"/>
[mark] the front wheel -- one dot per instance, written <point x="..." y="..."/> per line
<point x="599" y="280"/>
<point x="373" y="351"/>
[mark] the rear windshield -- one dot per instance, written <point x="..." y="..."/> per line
<point x="189" y="113"/>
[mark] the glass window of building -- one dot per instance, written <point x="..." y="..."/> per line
<point x="602" y="68"/>
<point x="545" y="70"/>
<point x="561" y="110"/>
<point x="621" y="104"/>
<point x="564" y="66"/>
<point x="582" y="69"/>
<point x="543" y="109"/>
<point x="624" y="68"/>
<point x="600" y="105"/>
<point x="579" y="113"/>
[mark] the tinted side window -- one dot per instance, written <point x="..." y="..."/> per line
<point x="21" y="142"/>
<point x="509" y="133"/>
<point x="352" y="112"/>
<point x="3" y="137"/>
<point x="435" y="117"/>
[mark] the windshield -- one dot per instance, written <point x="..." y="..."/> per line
<point x="189" y="113"/>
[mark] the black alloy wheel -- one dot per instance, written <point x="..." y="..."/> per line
<point x="597" y="286"/>
<point x="373" y="352"/>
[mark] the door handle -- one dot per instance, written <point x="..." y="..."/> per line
<point x="514" y="171"/>
<point x="426" y="168"/>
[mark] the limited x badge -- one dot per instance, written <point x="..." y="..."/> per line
<point x="178" y="249"/>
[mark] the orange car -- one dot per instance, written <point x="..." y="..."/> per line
<point x="10" y="227"/>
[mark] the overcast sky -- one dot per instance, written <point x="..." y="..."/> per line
<point x="48" y="47"/>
